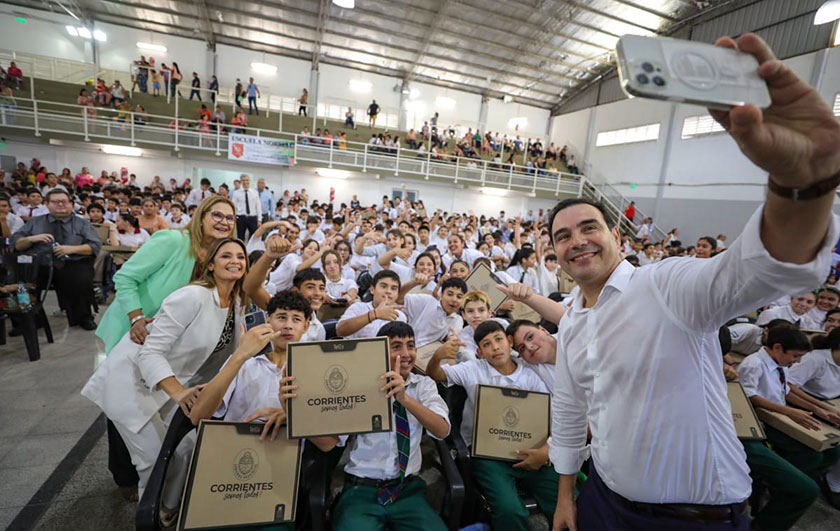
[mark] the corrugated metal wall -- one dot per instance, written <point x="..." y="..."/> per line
<point x="787" y="25"/>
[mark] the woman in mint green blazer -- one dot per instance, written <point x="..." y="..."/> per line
<point x="162" y="265"/>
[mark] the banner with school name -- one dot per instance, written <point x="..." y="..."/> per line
<point x="250" y="148"/>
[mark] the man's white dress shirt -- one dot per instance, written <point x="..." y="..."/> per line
<point x="818" y="374"/>
<point x="253" y="205"/>
<point x="643" y="368"/>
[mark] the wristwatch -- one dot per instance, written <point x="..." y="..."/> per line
<point x="818" y="189"/>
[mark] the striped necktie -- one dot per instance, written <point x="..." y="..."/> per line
<point x="388" y="494"/>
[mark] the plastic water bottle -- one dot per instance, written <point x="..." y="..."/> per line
<point x="23" y="298"/>
<point x="54" y="245"/>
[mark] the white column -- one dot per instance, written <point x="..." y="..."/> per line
<point x="402" y="124"/>
<point x="482" y="113"/>
<point x="314" y="80"/>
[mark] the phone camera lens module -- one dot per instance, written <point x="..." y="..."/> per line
<point x="647" y="67"/>
<point x="642" y="79"/>
<point x="658" y="81"/>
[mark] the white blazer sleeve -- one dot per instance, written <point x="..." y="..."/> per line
<point x="176" y="313"/>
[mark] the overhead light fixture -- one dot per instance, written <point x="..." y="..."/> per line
<point x="84" y="32"/>
<point x="828" y="12"/>
<point x="332" y="173"/>
<point x="100" y="35"/>
<point x="445" y="102"/>
<point x="151" y="47"/>
<point x="346" y="4"/>
<point x="264" y="68"/>
<point x="72" y="31"/>
<point x="122" y="150"/>
<point x="507" y="98"/>
<point x="500" y="192"/>
<point x="360" y="85"/>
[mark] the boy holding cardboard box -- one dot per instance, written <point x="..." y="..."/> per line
<point x="764" y="376"/>
<point x="498" y="478"/>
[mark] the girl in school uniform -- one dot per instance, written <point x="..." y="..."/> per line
<point x="341" y="291"/>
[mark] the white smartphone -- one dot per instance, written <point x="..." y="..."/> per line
<point x="690" y="72"/>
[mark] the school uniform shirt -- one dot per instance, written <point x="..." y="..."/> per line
<point x="375" y="456"/>
<point x="283" y="276"/>
<point x="315" y="332"/>
<point x="177" y="224"/>
<point x="112" y="216"/>
<point x="318" y="236"/>
<point x="545" y="371"/>
<point x="339" y="289"/>
<point x="258" y="386"/>
<point x="528" y="277"/>
<point x="31" y="212"/>
<point x="14" y="222"/>
<point x="348" y="273"/>
<point x="786" y="312"/>
<point x="549" y="282"/>
<point x="644" y="260"/>
<point x="196" y="196"/>
<point x="817" y="317"/>
<point x="134" y="239"/>
<point x="467" y="255"/>
<point x="362" y="263"/>
<point x="818" y="374"/>
<point x="470" y="374"/>
<point x="746" y="337"/>
<point x="469" y="351"/>
<point x="760" y="375"/>
<point x="371" y="329"/>
<point x="428" y="318"/>
<point x="664" y="396"/>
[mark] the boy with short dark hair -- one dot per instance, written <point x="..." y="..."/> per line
<point x="364" y="319"/>
<point x="764" y="376"/>
<point x="536" y="347"/>
<point x="312" y="284"/>
<point x="433" y="319"/>
<point x="382" y="486"/>
<point x="497" y="478"/>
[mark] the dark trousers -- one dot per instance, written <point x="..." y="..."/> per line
<point x="600" y="508"/>
<point x="244" y="223"/>
<point x="73" y="280"/>
<point x="195" y="92"/>
<point x="119" y="459"/>
<point x="252" y="104"/>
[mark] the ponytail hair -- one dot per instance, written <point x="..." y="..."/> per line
<point x="134" y="222"/>
<point x="830" y="341"/>
<point x="519" y="255"/>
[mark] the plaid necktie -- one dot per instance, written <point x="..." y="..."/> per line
<point x="783" y="381"/>
<point x="388" y="494"/>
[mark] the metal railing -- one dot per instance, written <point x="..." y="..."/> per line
<point x="134" y="127"/>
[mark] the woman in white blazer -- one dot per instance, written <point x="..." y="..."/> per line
<point x="197" y="327"/>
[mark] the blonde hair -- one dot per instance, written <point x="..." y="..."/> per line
<point x="207" y="280"/>
<point x="195" y="227"/>
<point x="476" y="296"/>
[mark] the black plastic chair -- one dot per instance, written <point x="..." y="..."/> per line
<point x="37" y="277"/>
<point x="147" y="517"/>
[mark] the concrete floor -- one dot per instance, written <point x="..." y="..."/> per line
<point x="43" y="417"/>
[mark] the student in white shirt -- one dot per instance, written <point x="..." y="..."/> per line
<point x="458" y="251"/>
<point x="126" y="232"/>
<point x="818" y="372"/>
<point x="432" y="319"/>
<point x="197" y="195"/>
<point x="34" y="206"/>
<point x="293" y="263"/>
<point x="497" y="479"/>
<point x="476" y="310"/>
<point x="796" y="312"/>
<point x="522" y="269"/>
<point x="550" y="280"/>
<point x="249" y="386"/>
<point x="423" y="271"/>
<point x="828" y="298"/>
<point x="364" y="319"/>
<point x="378" y="493"/>
<point x="536" y="347"/>
<point x="13" y="221"/>
<point x="766" y="381"/>
<point x="313" y="232"/>
<point x="341" y="291"/>
<point x="647" y="256"/>
<point x="832" y="320"/>
<point x="392" y="241"/>
<point x="176" y="218"/>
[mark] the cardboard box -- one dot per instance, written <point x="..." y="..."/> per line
<point x="824" y="438"/>
<point x="339" y="387"/>
<point x="747" y="425"/>
<point x="509" y="419"/>
<point x="236" y="480"/>
<point x="424" y="355"/>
